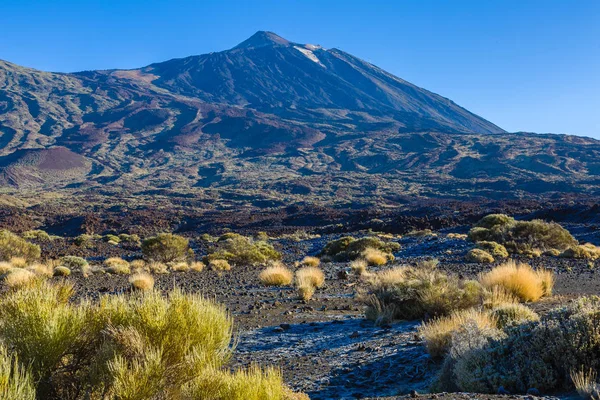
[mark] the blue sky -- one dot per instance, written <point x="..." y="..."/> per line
<point x="526" y="65"/>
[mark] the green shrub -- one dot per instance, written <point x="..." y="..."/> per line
<point x="126" y="238"/>
<point x="110" y="238"/>
<point x="239" y="249"/>
<point x="413" y="292"/>
<point x="349" y="249"/>
<point x="12" y="245"/>
<point x="521" y="236"/>
<point x="118" y="266"/>
<point x="540" y="354"/>
<point x="140" y="346"/>
<point x="74" y="262"/>
<point x="479" y="256"/>
<point x="15" y="381"/>
<point x="38" y="235"/>
<point x="515" y="313"/>
<point x="585" y="251"/>
<point x="83" y="240"/>
<point x="166" y="247"/>
<point x="493" y="248"/>
<point x="61" y="271"/>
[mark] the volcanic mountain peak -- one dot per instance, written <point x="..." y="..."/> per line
<point x="261" y="39"/>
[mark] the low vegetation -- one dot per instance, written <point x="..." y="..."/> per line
<point x="348" y="248"/>
<point x="479" y="256"/>
<point x="520" y="280"/>
<point x="166" y="248"/>
<point x="541" y="354"/>
<point x="308" y="279"/>
<point x="522" y="236"/>
<point x="240" y="250"/>
<point x="585" y="251"/>
<point x="219" y="265"/>
<point x="276" y="275"/>
<point x="141" y="281"/>
<point x="116" y="265"/>
<point x="12" y="245"/>
<point x="493" y="248"/>
<point x="140" y="346"/>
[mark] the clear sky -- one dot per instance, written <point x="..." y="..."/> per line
<point x="526" y="65"/>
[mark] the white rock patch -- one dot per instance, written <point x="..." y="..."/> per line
<point x="309" y="54"/>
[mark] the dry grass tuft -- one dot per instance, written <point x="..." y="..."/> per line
<point x="18" y="262"/>
<point x="157" y="268"/>
<point x="515" y="313"/>
<point x="309" y="261"/>
<point x="42" y="270"/>
<point x="180" y="267"/>
<point x="219" y="265"/>
<point x="374" y="256"/>
<point x="520" y="280"/>
<point x="277" y="275"/>
<point x="4" y="267"/>
<point x="118" y="266"/>
<point x="310" y="275"/>
<point x="197" y="266"/>
<point x="306" y="291"/>
<point x="359" y="266"/>
<point x="138" y="265"/>
<point x="438" y="332"/>
<point x="141" y="281"/>
<point x="18" y="277"/>
<point x="586" y="383"/>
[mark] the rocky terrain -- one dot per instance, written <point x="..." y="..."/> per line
<point x="266" y="124"/>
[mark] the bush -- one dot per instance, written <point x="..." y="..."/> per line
<point x="359" y="266"/>
<point x="197" y="266"/>
<point x="112" y="239"/>
<point x="277" y="275"/>
<point x="126" y="238"/>
<point x="38" y="234"/>
<point x="413" y="292"/>
<point x="374" y="257"/>
<point x="116" y="265"/>
<point x="348" y="248"/>
<point x="137" y="265"/>
<point x="540" y="354"/>
<point x="520" y="280"/>
<point x="521" y="236"/>
<point x="437" y="333"/>
<point x="479" y="256"/>
<point x="495" y="249"/>
<point x="140" y="346"/>
<point x="308" y="279"/>
<point x="12" y="245"/>
<point x="18" y="277"/>
<point x="180" y="267"/>
<point x="18" y="262"/>
<point x="166" y="247"/>
<point x="62" y="271"/>
<point x="15" y="381"/>
<point x="141" y="281"/>
<point x="585" y="251"/>
<point x="83" y="240"/>
<point x="74" y="262"/>
<point x="239" y="250"/>
<point x="511" y="313"/>
<point x="219" y="265"/>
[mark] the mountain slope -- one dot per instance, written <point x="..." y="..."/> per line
<point x="269" y="122"/>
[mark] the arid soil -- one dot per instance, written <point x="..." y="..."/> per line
<point x="325" y="347"/>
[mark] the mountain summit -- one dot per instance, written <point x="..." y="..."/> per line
<point x="273" y="122"/>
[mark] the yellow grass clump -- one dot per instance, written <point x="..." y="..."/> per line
<point x="18" y="262"/>
<point x="479" y="256"/>
<point x="374" y="256"/>
<point x="141" y="281"/>
<point x="137" y="265"/>
<point x="18" y="277"/>
<point x="157" y="268"/>
<point x="586" y="383"/>
<point x="4" y="267"/>
<point x="118" y="266"/>
<point x="276" y="275"/>
<point x="180" y="267"/>
<point x="311" y="275"/>
<point x="520" y="280"/>
<point x="438" y="332"/>
<point x="197" y="266"/>
<point x="309" y="261"/>
<point x="359" y="266"/>
<point x="219" y="265"/>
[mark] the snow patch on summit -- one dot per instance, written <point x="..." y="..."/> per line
<point x="309" y="54"/>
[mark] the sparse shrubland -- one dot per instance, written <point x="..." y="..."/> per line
<point x="309" y="261"/>
<point x="166" y="248"/>
<point x="62" y="271"/>
<point x="141" y="281"/>
<point x="359" y="266"/>
<point x="374" y="257"/>
<point x="219" y="265"/>
<point x="347" y="248"/>
<point x="521" y="236"/>
<point x="493" y="248"/>
<point x="37" y="234"/>
<point x="74" y="263"/>
<point x="520" y="280"/>
<point x="276" y="275"/>
<point x="308" y="279"/>
<point x="241" y="250"/>
<point x="513" y="313"/>
<point x="140" y="346"/>
<point x="12" y="245"/>
<point x="18" y="277"/>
